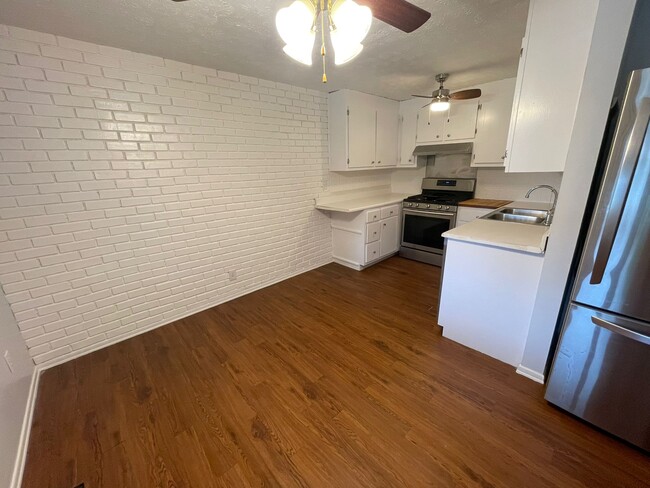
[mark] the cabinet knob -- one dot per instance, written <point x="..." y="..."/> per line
<point x="448" y="135"/>
<point x="372" y="162"/>
<point x="378" y="162"/>
<point x="384" y="224"/>
<point x="437" y="137"/>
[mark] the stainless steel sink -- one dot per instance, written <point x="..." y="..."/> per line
<point x="519" y="215"/>
<point x="525" y="211"/>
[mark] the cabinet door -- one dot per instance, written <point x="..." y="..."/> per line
<point x="408" y="110"/>
<point x="389" y="236"/>
<point x="430" y="126"/>
<point x="362" y="118"/>
<point x="461" y="120"/>
<point x="552" y="70"/>
<point x="386" y="134"/>
<point x="493" y="122"/>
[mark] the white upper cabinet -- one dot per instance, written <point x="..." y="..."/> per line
<point x="361" y="126"/>
<point x="430" y="126"/>
<point x="363" y="131"/>
<point x="387" y="132"/>
<point x="408" y="112"/>
<point x="495" y="108"/>
<point x="457" y="123"/>
<point x="551" y="69"/>
<point x="461" y="120"/>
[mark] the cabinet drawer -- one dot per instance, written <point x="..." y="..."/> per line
<point x="392" y="211"/>
<point x="372" y="251"/>
<point x="373" y="215"/>
<point x="372" y="232"/>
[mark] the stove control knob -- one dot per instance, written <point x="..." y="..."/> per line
<point x="417" y="204"/>
<point x="428" y="206"/>
<point x="447" y="208"/>
<point x="439" y="207"/>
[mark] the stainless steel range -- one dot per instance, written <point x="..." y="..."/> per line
<point x="427" y="216"/>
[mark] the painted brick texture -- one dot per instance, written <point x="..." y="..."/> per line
<point x="131" y="186"/>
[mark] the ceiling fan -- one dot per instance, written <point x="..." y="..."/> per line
<point x="441" y="97"/>
<point x="348" y="22"/>
<point x="399" y="13"/>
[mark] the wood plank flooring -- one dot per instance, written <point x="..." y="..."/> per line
<point x="334" y="378"/>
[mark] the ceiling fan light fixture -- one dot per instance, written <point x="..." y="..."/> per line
<point x="294" y="24"/>
<point x="439" y="105"/>
<point x="301" y="52"/>
<point x="343" y="54"/>
<point x="351" y="23"/>
<point x="351" y="20"/>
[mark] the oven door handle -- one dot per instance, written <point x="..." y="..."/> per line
<point x="424" y="212"/>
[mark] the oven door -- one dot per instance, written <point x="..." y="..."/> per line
<point x="423" y="230"/>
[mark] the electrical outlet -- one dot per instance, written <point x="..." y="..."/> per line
<point x="232" y="275"/>
<point x="9" y="361"/>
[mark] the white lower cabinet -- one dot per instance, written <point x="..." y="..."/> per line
<point x="389" y="236"/>
<point x="360" y="239"/>
<point x="466" y="215"/>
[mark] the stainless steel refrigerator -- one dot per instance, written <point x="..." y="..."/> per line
<point x="601" y="369"/>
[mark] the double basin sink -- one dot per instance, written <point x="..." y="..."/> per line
<point x="519" y="215"/>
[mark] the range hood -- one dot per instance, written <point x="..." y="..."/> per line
<point x="444" y="149"/>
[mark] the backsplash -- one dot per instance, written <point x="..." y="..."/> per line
<point x="497" y="184"/>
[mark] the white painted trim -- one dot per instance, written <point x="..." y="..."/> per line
<point x="347" y="264"/>
<point x="530" y="374"/>
<point x="128" y="335"/>
<point x="23" y="442"/>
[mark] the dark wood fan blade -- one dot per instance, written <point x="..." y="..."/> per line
<point x="466" y="94"/>
<point x="398" y="13"/>
<point x="179" y="0"/>
<point x="422" y="96"/>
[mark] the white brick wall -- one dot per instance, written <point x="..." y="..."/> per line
<point x="130" y="186"/>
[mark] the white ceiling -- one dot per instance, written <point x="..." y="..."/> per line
<point x="475" y="40"/>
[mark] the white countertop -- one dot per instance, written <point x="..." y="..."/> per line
<point x="508" y="235"/>
<point x="348" y="204"/>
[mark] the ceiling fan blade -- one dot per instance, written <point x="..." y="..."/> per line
<point x="466" y="94"/>
<point x="422" y="96"/>
<point x="428" y="104"/>
<point x="398" y="13"/>
<point x="179" y="0"/>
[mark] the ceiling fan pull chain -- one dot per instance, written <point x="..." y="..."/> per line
<point x="322" y="35"/>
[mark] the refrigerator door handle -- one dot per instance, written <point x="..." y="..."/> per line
<point x="617" y="329"/>
<point x="627" y="151"/>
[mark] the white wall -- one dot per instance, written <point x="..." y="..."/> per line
<point x="610" y="31"/>
<point x="14" y="389"/>
<point x="131" y="185"/>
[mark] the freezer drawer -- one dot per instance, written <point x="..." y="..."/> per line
<point x="600" y="373"/>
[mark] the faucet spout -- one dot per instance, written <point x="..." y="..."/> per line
<point x="551" y="212"/>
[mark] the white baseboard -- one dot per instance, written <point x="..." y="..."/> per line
<point x="132" y="333"/>
<point x="347" y="264"/>
<point x="23" y="442"/>
<point x="530" y="374"/>
<point x="19" y="465"/>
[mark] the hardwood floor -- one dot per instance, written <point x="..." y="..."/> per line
<point x="334" y="378"/>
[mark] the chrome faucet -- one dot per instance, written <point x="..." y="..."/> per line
<point x="550" y="213"/>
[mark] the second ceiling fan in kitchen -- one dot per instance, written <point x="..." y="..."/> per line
<point x="441" y="97"/>
<point x="347" y="23"/>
